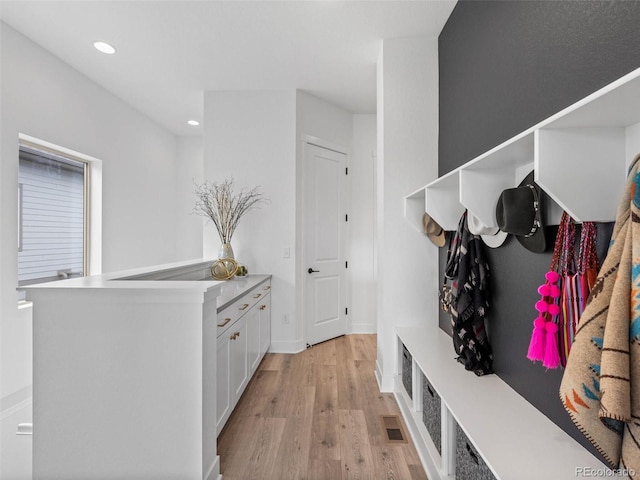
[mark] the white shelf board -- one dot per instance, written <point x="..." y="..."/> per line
<point x="483" y="179"/>
<point x="511" y="435"/>
<point x="582" y="169"/>
<point x="570" y="179"/>
<point x="615" y="105"/>
<point x="443" y="200"/>
<point x="514" y="153"/>
<point x="414" y="208"/>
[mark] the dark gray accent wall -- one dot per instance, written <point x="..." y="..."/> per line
<point x="504" y="67"/>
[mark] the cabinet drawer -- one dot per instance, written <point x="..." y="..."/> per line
<point x="255" y="296"/>
<point x="241" y="306"/>
<point x="233" y="312"/>
<point x="258" y="294"/>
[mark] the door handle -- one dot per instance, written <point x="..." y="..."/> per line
<point x="311" y="270"/>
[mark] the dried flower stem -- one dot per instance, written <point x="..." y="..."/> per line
<point x="224" y="208"/>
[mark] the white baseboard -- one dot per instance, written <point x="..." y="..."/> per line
<point x="214" y="470"/>
<point x="295" y="346"/>
<point x="363" y="328"/>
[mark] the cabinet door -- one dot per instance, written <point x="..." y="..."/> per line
<point x="253" y="338"/>
<point x="265" y="324"/>
<point x="223" y="385"/>
<point x="239" y="373"/>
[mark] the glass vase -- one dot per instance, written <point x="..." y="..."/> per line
<point x="226" y="251"/>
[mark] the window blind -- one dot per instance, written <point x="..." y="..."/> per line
<point x="51" y="217"/>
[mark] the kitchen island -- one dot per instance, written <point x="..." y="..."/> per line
<point x="125" y="369"/>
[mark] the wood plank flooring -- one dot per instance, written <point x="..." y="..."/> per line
<point x="316" y="416"/>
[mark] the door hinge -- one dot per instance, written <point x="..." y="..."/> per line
<point x="346" y="311"/>
<point x="346" y="217"/>
<point x="346" y="264"/>
<point x="346" y="170"/>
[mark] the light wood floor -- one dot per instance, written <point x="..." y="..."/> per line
<point x="316" y="416"/>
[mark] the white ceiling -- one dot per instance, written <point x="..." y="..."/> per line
<point x="170" y="52"/>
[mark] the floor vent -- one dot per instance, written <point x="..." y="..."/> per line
<point x="394" y="433"/>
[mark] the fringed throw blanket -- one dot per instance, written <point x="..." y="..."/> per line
<point x="469" y="272"/>
<point x="600" y="388"/>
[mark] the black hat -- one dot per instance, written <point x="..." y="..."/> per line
<point x="519" y="211"/>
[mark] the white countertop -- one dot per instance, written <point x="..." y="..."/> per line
<point x="191" y="275"/>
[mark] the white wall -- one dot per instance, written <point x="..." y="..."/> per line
<point x="188" y="225"/>
<point x="45" y="98"/>
<point x="256" y="138"/>
<point x="407" y="263"/>
<point x="362" y="309"/>
<point x="324" y="121"/>
<point x="250" y="136"/>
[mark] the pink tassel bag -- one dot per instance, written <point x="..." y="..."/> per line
<point x="563" y="295"/>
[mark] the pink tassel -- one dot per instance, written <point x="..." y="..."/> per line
<point x="536" y="347"/>
<point x="551" y="352"/>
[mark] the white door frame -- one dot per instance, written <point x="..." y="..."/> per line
<point x="300" y="254"/>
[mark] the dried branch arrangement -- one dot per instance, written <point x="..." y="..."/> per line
<point x="218" y="202"/>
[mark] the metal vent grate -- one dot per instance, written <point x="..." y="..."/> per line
<point x="394" y="433"/>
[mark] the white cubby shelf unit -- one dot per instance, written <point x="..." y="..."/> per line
<point x="580" y="157"/>
<point x="513" y="438"/>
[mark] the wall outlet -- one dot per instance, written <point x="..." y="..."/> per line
<point x="285" y="319"/>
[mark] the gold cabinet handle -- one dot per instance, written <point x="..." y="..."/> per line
<point x="244" y="306"/>
<point x="262" y="307"/>
<point x="267" y="287"/>
<point x="257" y="296"/>
<point x="226" y="320"/>
<point x="237" y="334"/>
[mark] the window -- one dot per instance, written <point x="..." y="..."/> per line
<point x="52" y="215"/>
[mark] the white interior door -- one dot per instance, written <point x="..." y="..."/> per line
<point x="325" y="229"/>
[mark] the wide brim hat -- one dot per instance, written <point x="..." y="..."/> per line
<point x="520" y="211"/>
<point x="433" y="231"/>
<point x="492" y="236"/>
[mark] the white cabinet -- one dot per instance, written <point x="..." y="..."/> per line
<point x="265" y="324"/>
<point x="486" y="409"/>
<point x="244" y="324"/>
<point x="253" y="338"/>
<point x="223" y="395"/>
<point x="238" y="369"/>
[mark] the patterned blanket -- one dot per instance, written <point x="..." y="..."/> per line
<point x="600" y="387"/>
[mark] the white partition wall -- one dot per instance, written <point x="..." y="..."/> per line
<point x="407" y="262"/>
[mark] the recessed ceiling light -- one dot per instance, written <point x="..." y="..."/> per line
<point x="104" y="48"/>
<point x="193" y="123"/>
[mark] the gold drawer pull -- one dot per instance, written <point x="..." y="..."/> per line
<point x="232" y="337"/>
<point x="262" y="307"/>
<point x="244" y="306"/>
<point x="226" y="320"/>
<point x="267" y="287"/>
<point x="237" y="334"/>
<point x="257" y="296"/>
